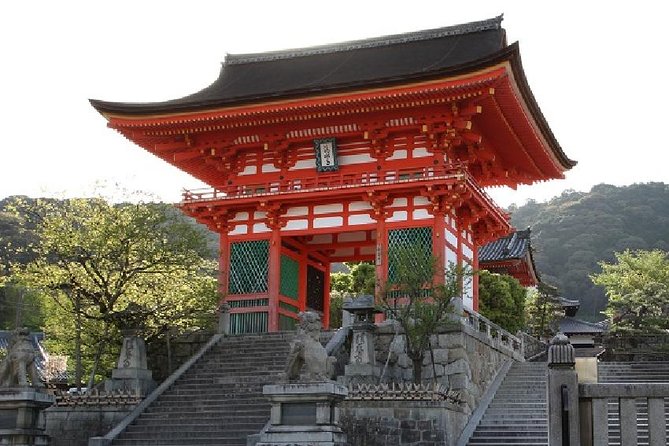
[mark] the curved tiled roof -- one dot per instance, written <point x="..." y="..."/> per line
<point x="513" y="246"/>
<point x="248" y="77"/>
<point x="570" y="325"/>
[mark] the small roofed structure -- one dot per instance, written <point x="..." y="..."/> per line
<point x="570" y="306"/>
<point x="511" y="255"/>
<point x="583" y="335"/>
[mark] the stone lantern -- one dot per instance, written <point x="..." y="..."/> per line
<point x="362" y="365"/>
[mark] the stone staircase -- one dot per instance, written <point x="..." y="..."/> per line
<point x="517" y="415"/>
<point x="628" y="372"/>
<point x="218" y="400"/>
<point x="633" y="372"/>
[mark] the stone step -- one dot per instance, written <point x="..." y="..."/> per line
<point x="219" y="400"/>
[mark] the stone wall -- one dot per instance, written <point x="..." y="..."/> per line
<point x="72" y="426"/>
<point x="182" y="348"/>
<point x="381" y="423"/>
<point x="464" y="360"/>
<point x="635" y="348"/>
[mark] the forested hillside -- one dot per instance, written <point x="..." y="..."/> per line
<point x="570" y="234"/>
<point x="573" y="232"/>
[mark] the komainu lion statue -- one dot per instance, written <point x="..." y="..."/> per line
<point x="20" y="362"/>
<point x="308" y="360"/>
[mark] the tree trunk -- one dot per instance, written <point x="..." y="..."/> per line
<point x="417" y="369"/>
<point x="98" y="353"/>
<point x="77" y="344"/>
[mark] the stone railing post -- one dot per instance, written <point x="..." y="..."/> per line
<point x="224" y="318"/>
<point x="562" y="394"/>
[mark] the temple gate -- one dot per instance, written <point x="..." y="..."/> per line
<point x="347" y="152"/>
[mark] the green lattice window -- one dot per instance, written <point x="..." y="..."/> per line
<point x="248" y="303"/>
<point x="418" y="241"/>
<point x="290" y="270"/>
<point x="248" y="323"/>
<point x="249" y="263"/>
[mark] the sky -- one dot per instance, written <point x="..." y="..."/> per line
<point x="596" y="68"/>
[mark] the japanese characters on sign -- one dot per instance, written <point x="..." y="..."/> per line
<point x="326" y="155"/>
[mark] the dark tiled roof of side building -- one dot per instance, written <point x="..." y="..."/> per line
<point x="514" y="246"/>
<point x="570" y="325"/>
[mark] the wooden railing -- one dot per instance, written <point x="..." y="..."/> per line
<point x="328" y="181"/>
<point x="594" y="407"/>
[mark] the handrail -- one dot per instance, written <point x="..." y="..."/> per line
<point x="495" y="333"/>
<point x="327" y="181"/>
<point x="594" y="402"/>
<point x="116" y="431"/>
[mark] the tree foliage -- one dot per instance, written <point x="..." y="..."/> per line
<point x="93" y="259"/>
<point x="419" y="303"/>
<point x="502" y="300"/>
<point x="574" y="232"/>
<point x="637" y="286"/>
<point x="542" y="311"/>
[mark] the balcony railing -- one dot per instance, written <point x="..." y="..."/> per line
<point x="339" y="180"/>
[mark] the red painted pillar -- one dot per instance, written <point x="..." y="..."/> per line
<point x="439" y="246"/>
<point x="274" y="280"/>
<point x="326" y="297"/>
<point x="475" y="278"/>
<point x="223" y="263"/>
<point x="381" y="261"/>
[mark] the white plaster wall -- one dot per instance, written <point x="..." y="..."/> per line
<point x="328" y="222"/>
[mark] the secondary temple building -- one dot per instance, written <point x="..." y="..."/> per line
<point x="347" y="152"/>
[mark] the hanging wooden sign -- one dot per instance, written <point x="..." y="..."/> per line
<point x="326" y="155"/>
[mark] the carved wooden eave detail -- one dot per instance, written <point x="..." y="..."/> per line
<point x="379" y="202"/>
<point x="274" y="218"/>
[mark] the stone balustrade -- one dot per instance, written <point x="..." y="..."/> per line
<point x="579" y="412"/>
<point x="594" y="399"/>
<point x="495" y="335"/>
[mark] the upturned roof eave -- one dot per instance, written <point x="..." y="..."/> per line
<point x="510" y="54"/>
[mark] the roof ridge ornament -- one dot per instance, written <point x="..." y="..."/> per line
<point x="393" y="39"/>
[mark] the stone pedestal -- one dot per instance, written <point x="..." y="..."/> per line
<point x="131" y="373"/>
<point x="22" y="421"/>
<point x="304" y="414"/>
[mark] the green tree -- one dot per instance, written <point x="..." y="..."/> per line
<point x="363" y="277"/>
<point x="93" y="259"/>
<point x="543" y="310"/>
<point x="341" y="283"/>
<point x="502" y="300"/>
<point x="420" y="304"/>
<point x="20" y="307"/>
<point x="575" y="231"/>
<point x="637" y="286"/>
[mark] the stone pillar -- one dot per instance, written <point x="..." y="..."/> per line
<point x="131" y="372"/>
<point x="224" y="318"/>
<point x="304" y="414"/>
<point x="346" y="316"/>
<point x="362" y="365"/>
<point x="22" y="421"/>
<point x="562" y="394"/>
